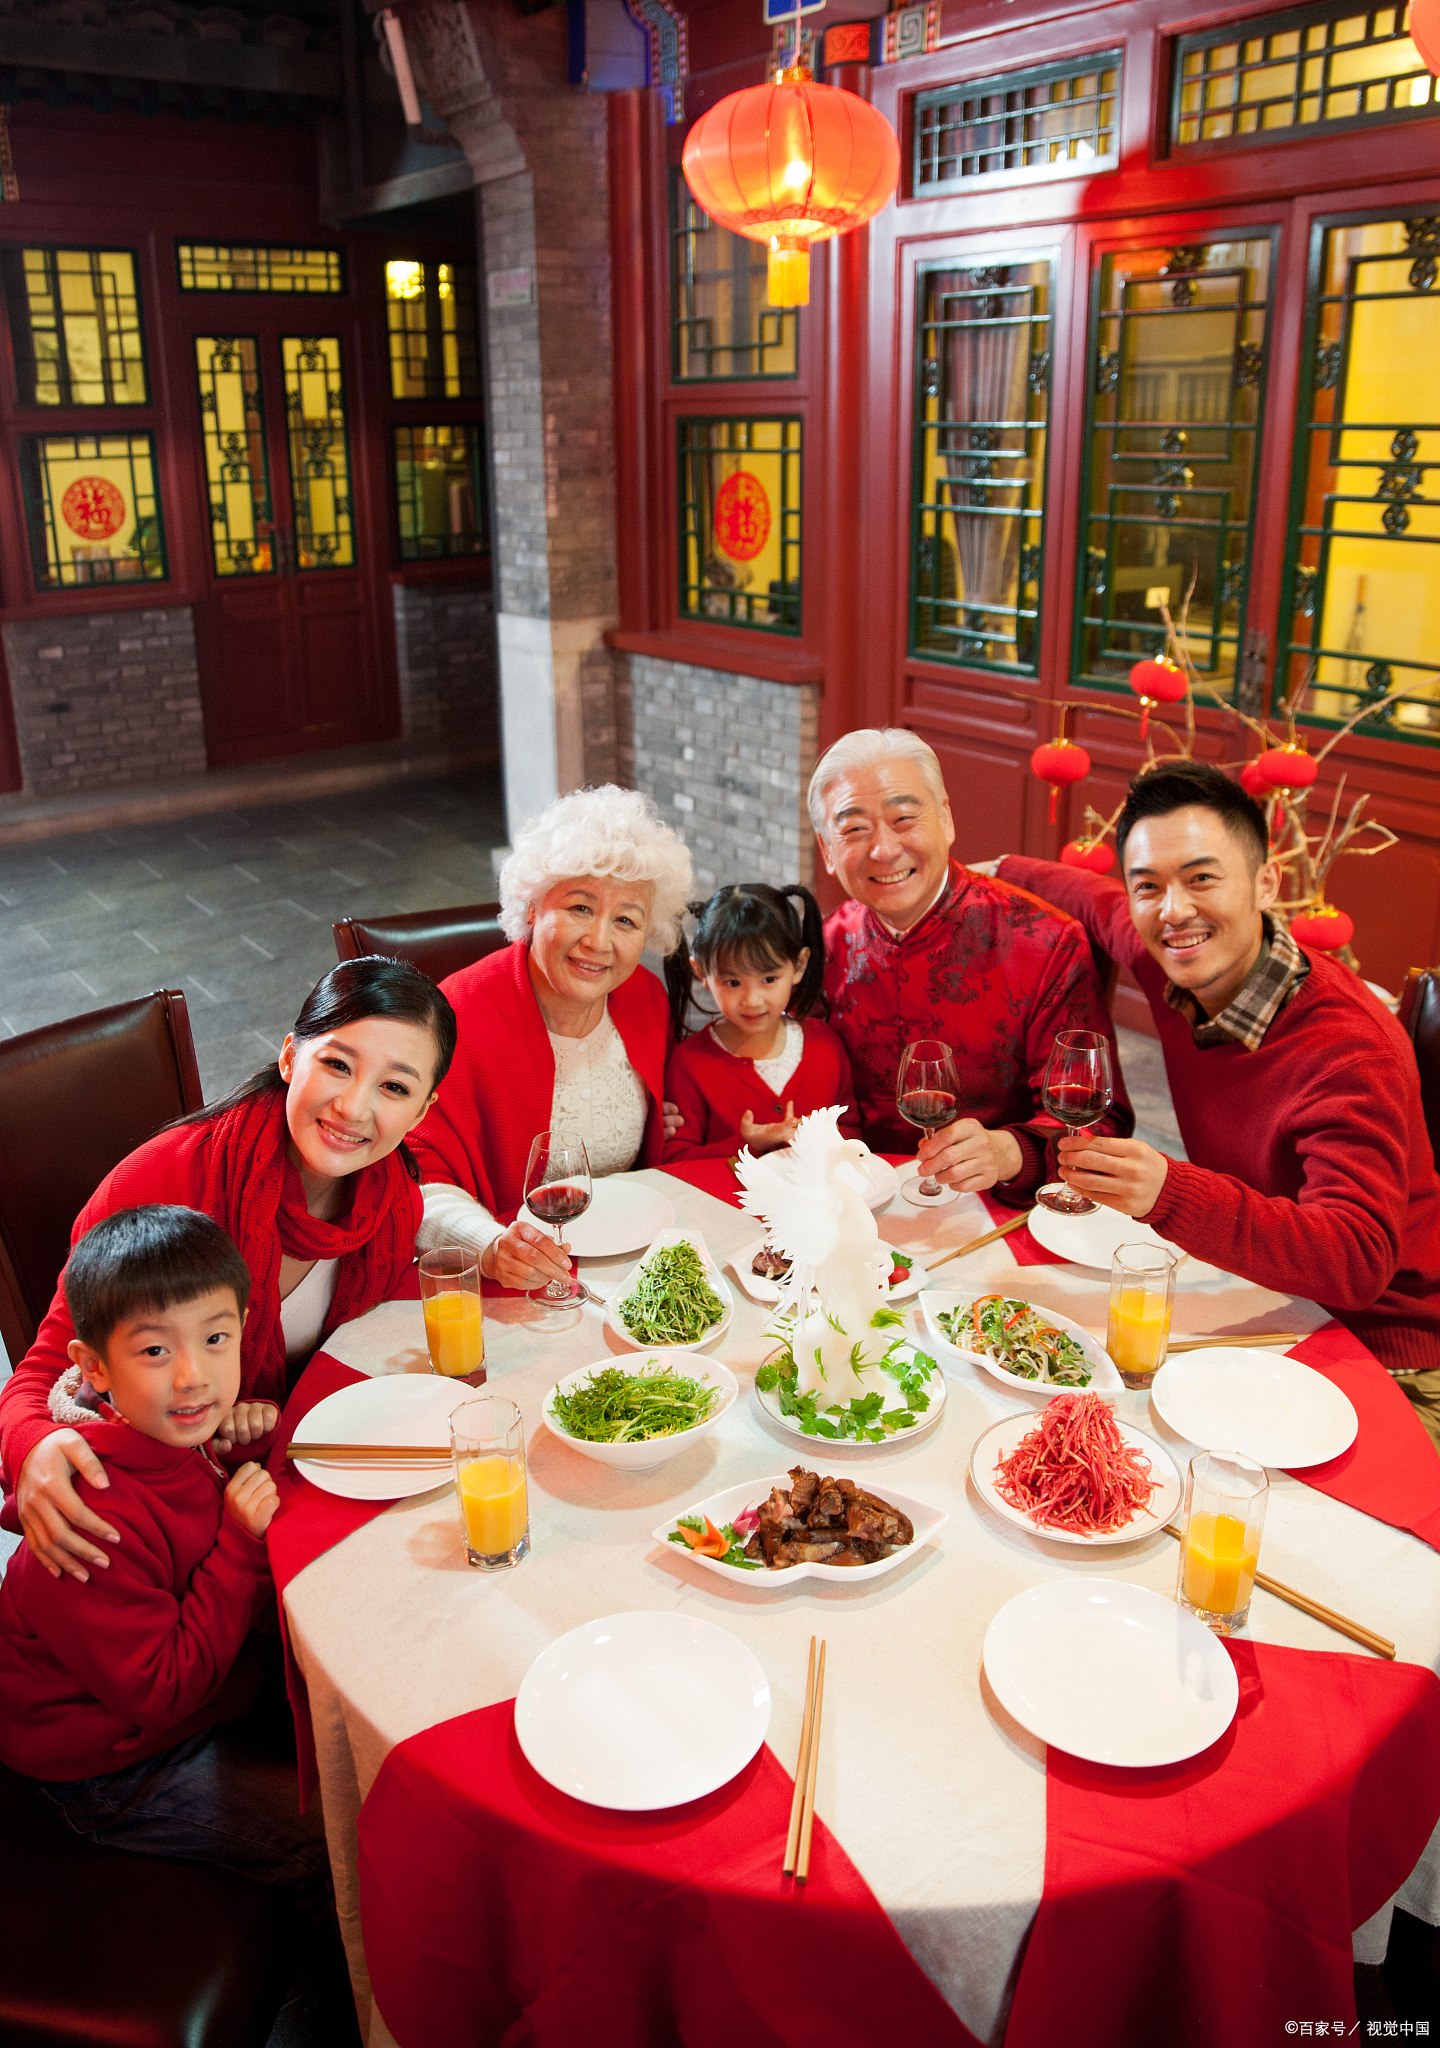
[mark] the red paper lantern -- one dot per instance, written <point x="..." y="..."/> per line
<point x="1288" y="767"/>
<point x="1058" y="762"/>
<point x="1095" y="854"/>
<point x="791" y="164"/>
<point x="1252" y="778"/>
<point x="1425" y="32"/>
<point x="1326" y="929"/>
<point x="1156" y="682"/>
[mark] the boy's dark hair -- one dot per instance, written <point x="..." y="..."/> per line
<point x="750" y="927"/>
<point x="1177" y="785"/>
<point x="159" y="1256"/>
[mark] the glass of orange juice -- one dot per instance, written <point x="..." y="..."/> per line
<point x="1225" y="1495"/>
<point x="487" y="1439"/>
<point x="1142" y="1296"/>
<point x="454" y="1328"/>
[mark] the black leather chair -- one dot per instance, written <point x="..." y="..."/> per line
<point x="1420" y="1015"/>
<point x="75" y="1098"/>
<point x="105" y="1949"/>
<point x="438" y="942"/>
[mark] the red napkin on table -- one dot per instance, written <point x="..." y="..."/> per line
<point x="495" y="1908"/>
<point x="1391" y="1470"/>
<point x="1211" y="1902"/>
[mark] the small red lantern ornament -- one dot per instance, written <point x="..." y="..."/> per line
<point x="1156" y="682"/>
<point x="791" y="164"/>
<point x="1288" y="767"/>
<point x="1252" y="778"/>
<point x="1425" y="32"/>
<point x="1058" y="762"/>
<point x="1324" y="928"/>
<point x="1095" y="854"/>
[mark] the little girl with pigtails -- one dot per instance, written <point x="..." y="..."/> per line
<point x="748" y="1075"/>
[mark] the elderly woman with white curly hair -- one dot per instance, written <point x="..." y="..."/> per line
<point x="559" y="1030"/>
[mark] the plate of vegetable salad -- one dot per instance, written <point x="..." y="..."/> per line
<point x="674" y="1300"/>
<point x="907" y="1395"/>
<point x="639" y="1413"/>
<point x="1018" y="1343"/>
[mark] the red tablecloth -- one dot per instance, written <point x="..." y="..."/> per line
<point x="497" y="1910"/>
<point x="1212" y="1902"/>
<point x="1391" y="1470"/>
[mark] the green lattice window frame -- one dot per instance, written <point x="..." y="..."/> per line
<point x="1388" y="506"/>
<point x="1185" y="494"/>
<point x="973" y="473"/>
<point x="1327" y="68"/>
<point x="432" y="315"/>
<point x="716" y="576"/>
<point x="77" y="326"/>
<point x="739" y="279"/>
<point x="431" y="510"/>
<point x="1048" y="117"/>
<point x="65" y="555"/>
<point x="318" y="444"/>
<point x="237" y="463"/>
<point x="260" y="267"/>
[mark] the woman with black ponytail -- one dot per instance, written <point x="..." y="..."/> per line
<point x="767" y="1059"/>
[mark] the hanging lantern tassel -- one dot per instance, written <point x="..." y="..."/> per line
<point x="1059" y="762"/>
<point x="788" y="276"/>
<point x="1156" y="682"/>
<point x="1324" y="928"/>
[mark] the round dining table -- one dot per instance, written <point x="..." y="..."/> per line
<point x="936" y="1794"/>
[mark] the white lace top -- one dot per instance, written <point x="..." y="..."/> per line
<point x="775" y="1073"/>
<point x="304" y="1309"/>
<point x="598" y="1095"/>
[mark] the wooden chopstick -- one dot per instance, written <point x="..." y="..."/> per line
<point x="807" y="1817"/>
<point x="975" y="1242"/>
<point x="390" y="1454"/>
<point x="1286" y="1337"/>
<point x="792" y="1838"/>
<point x="1341" y="1623"/>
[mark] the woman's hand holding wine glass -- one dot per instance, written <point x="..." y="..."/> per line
<point x="557" y="1190"/>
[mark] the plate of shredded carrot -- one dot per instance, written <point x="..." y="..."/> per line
<point x="1076" y="1473"/>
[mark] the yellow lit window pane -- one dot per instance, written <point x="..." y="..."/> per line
<point x="92" y="509"/>
<point x="431" y="310"/>
<point x="740" y="522"/>
<point x="237" y="472"/>
<point x="216" y="267"/>
<point x="437" y="496"/>
<point x="319" y="451"/>
<point x="75" y="322"/>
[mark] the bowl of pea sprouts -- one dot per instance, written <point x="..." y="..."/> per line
<point x="675" y="1299"/>
<point x="639" y="1411"/>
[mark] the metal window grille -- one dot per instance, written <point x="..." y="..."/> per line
<point x="1177" y="362"/>
<point x="75" y="321"/>
<point x="437" y="492"/>
<point x="237" y="469"/>
<point x="982" y="388"/>
<point x="92" y="509"/>
<point x="1362" y="586"/>
<point x="1330" y="66"/>
<point x="740" y="483"/>
<point x="433" y="318"/>
<point x="722" y="324"/>
<point x="1020" y="120"/>
<point x="319" y="451"/>
<point x="228" y="267"/>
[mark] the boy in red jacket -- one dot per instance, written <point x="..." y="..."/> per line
<point x="115" y="1691"/>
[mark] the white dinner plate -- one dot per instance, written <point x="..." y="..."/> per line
<point x="623" y="1216"/>
<point x="938" y="1301"/>
<point x="839" y="1446"/>
<point x="1110" y="1672"/>
<point x="767" y="1291"/>
<point x="639" y="1711"/>
<point x="720" y="1286"/>
<point x="1093" y="1241"/>
<point x="1000" y="1440"/>
<point x="1275" y="1410"/>
<point x="401" y="1408"/>
<point x="720" y="1507"/>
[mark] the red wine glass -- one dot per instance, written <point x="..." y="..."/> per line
<point x="927" y="1094"/>
<point x="557" y="1190"/>
<point x="1079" y="1089"/>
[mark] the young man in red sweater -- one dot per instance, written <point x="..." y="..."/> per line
<point x="928" y="949"/>
<point x="1296" y="1092"/>
<point x="116" y="1690"/>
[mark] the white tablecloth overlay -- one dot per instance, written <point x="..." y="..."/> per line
<point x="934" y="1792"/>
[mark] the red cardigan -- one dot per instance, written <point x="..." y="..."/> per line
<point x="173" y="1166"/>
<point x="95" y="1677"/>
<point x="1310" y="1170"/>
<point x="498" y="1093"/>
<point x="713" y="1089"/>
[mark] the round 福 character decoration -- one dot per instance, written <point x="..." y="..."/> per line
<point x="93" y="508"/>
<point x="742" y="516"/>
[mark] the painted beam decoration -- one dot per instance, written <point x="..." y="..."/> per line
<point x="665" y="27"/>
<point x="887" y="39"/>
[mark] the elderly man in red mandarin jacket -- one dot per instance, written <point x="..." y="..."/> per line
<point x="925" y="949"/>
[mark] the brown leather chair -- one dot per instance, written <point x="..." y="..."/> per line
<point x="75" y="1098"/>
<point x="438" y="942"/>
<point x="1420" y="1015"/>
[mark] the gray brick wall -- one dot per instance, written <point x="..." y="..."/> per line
<point x="449" y="680"/>
<point x="105" y="698"/>
<point x="517" y="433"/>
<point x="727" y="758"/>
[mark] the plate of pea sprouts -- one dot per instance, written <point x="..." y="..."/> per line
<point x="639" y="1412"/>
<point x="675" y="1299"/>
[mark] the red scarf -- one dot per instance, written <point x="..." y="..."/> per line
<point x="253" y="1189"/>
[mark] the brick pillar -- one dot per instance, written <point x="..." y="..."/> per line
<point x="537" y="148"/>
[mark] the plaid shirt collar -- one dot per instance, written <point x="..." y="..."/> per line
<point x="1268" y="987"/>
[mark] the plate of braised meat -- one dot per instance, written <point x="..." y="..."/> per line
<point x="802" y="1525"/>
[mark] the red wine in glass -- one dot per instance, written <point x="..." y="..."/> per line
<point x="1079" y="1089"/>
<point x="927" y="1094"/>
<point x="559" y="1205"/>
<point x="557" y="1190"/>
<point x="930" y="1109"/>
